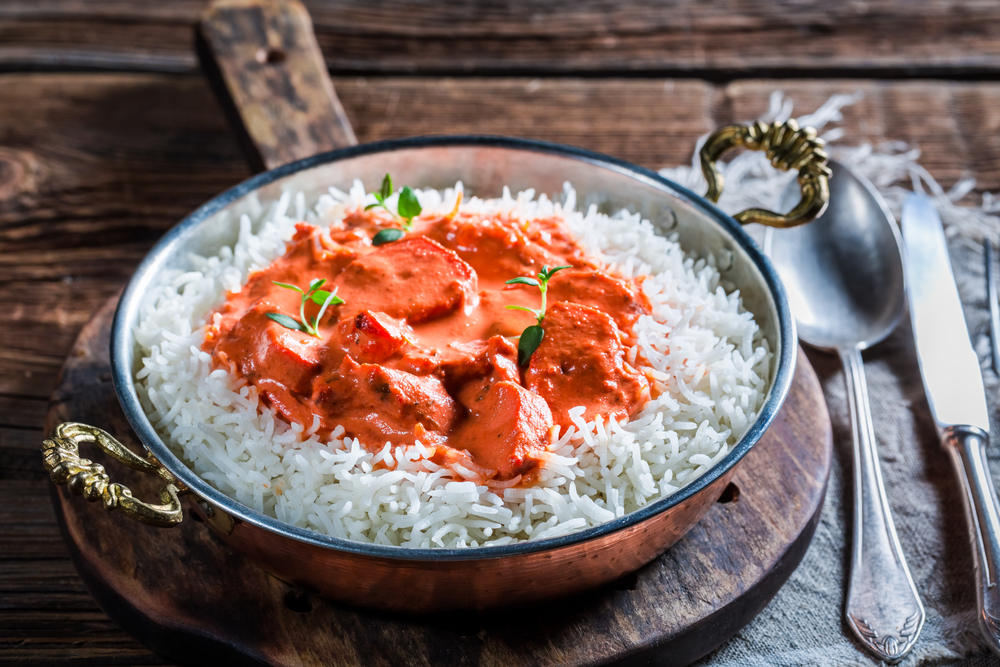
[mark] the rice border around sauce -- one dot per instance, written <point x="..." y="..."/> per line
<point x="709" y="356"/>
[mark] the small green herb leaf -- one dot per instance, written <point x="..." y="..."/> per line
<point x="286" y="321"/>
<point x="388" y="236"/>
<point x="531" y="338"/>
<point x="320" y="296"/>
<point x="408" y="204"/>
<point x="551" y="272"/>
<point x="330" y="298"/>
<point x="316" y="295"/>
<point x="386" y="189"/>
<point x="521" y="280"/>
<point x="527" y="310"/>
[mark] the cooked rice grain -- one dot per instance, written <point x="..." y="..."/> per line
<point x="706" y="355"/>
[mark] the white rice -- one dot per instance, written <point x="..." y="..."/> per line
<point x="706" y="354"/>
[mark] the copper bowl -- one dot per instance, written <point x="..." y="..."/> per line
<point x="420" y="580"/>
<point x="400" y="578"/>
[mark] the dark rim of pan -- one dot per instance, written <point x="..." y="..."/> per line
<point x="125" y="386"/>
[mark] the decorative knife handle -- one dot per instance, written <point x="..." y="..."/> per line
<point x="967" y="446"/>
<point x="883" y="607"/>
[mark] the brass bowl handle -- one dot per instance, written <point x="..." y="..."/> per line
<point x="85" y="478"/>
<point x="788" y="147"/>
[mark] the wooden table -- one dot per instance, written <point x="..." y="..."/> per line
<point x="109" y="135"/>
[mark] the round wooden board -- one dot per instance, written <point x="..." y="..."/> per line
<point x="189" y="597"/>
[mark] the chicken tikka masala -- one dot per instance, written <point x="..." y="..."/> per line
<point x="414" y="339"/>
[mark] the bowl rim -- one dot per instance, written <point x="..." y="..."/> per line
<point x="124" y="382"/>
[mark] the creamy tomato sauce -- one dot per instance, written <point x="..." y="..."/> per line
<point x="424" y="348"/>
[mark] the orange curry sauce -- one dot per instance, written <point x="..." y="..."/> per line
<point x="423" y="347"/>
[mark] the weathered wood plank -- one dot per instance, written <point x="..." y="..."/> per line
<point x="47" y="616"/>
<point x="652" y="123"/>
<point x="43" y="318"/>
<point x="19" y="452"/>
<point x="94" y="168"/>
<point x="19" y="412"/>
<point x="719" y="39"/>
<point x="21" y="436"/>
<point x="39" y="624"/>
<point x="28" y="529"/>
<point x="29" y="651"/>
<point x="42" y="584"/>
<point x="939" y="118"/>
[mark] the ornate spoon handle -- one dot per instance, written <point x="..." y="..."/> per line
<point x="883" y="608"/>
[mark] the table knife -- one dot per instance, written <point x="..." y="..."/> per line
<point x="954" y="386"/>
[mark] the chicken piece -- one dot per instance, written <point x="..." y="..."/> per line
<point x="596" y="289"/>
<point x="502" y="355"/>
<point x="311" y="249"/>
<point x="554" y="235"/>
<point x="371" y="337"/>
<point x="262" y="348"/>
<point x="497" y="249"/>
<point x="309" y="255"/>
<point x="415" y="279"/>
<point x="580" y="361"/>
<point x="346" y="237"/>
<point x="506" y="427"/>
<point x="457" y="363"/>
<point x="287" y="404"/>
<point x="495" y="362"/>
<point x="378" y="404"/>
<point x="280" y="362"/>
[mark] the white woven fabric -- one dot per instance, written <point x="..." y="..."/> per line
<point x="803" y="624"/>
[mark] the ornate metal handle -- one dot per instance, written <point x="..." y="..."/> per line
<point x="883" y="607"/>
<point x="88" y="479"/>
<point x="788" y="147"/>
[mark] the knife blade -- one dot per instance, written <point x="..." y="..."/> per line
<point x="948" y="364"/>
<point x="953" y="383"/>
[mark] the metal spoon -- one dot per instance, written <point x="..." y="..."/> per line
<point x="844" y="277"/>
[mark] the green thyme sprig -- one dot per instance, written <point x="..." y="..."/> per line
<point x="407" y="208"/>
<point x="532" y="336"/>
<point x="316" y="295"/>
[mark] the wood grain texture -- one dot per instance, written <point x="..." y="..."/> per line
<point x="262" y="59"/>
<point x="107" y="163"/>
<point x="95" y="167"/>
<point x="191" y="598"/>
<point x="711" y="40"/>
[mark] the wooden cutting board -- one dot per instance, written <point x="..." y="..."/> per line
<point x="189" y="597"/>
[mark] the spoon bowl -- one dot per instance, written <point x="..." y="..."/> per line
<point x="843" y="272"/>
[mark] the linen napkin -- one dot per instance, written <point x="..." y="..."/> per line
<point x="804" y="624"/>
